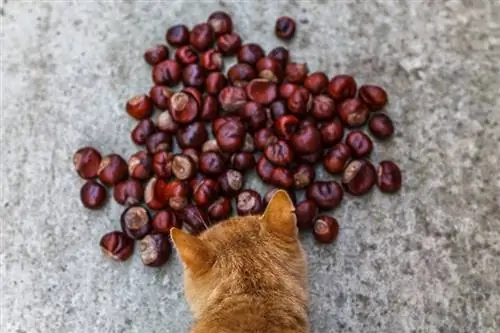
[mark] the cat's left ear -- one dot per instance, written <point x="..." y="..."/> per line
<point x="279" y="216"/>
<point x="193" y="251"/>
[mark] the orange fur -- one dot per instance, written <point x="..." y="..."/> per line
<point x="247" y="274"/>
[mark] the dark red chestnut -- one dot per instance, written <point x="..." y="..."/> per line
<point x="270" y="69"/>
<point x="231" y="136"/>
<point x="155" y="54"/>
<point x="336" y="158"/>
<point x="262" y="91"/>
<point x="167" y="72"/>
<point x="229" y="44"/>
<point x="303" y="176"/>
<point x="263" y="137"/>
<point x="360" y="143"/>
<point x="281" y="54"/>
<point x="307" y="140"/>
<point x="86" y="161"/>
<point x="331" y="133"/>
<point x="136" y="222"/>
<point x="373" y="96"/>
<point x="164" y="221"/>
<point x="240" y="74"/>
<point x="282" y="177"/>
<point x="151" y="198"/>
<point x="243" y="161"/>
<point x="253" y="115"/>
<point x="323" y="108"/>
<point x="249" y="202"/>
<point x="140" y="107"/>
<point x="162" y="164"/>
<point x="279" y="153"/>
<point x="195" y="220"/>
<point x="160" y="96"/>
<point x="388" y="177"/>
<point x="359" y="177"/>
<point x="93" y="195"/>
<point x="155" y="249"/>
<point x="205" y="192"/>
<point x="117" y="245"/>
<point x="265" y="169"/>
<point x="166" y="123"/>
<point x="231" y="182"/>
<point x="212" y="163"/>
<point x="211" y="60"/>
<point x="306" y="211"/>
<point x="194" y="154"/>
<point x="276" y="109"/>
<point x="220" y="210"/>
<point x="300" y="102"/>
<point x="312" y="158"/>
<point x="202" y="36"/>
<point x="166" y="190"/>
<point x="381" y="126"/>
<point x="250" y="53"/>
<point x="194" y="76"/>
<point x="221" y="23"/>
<point x="183" y="167"/>
<point x="210" y="108"/>
<point x="183" y="108"/>
<point x="342" y="87"/>
<point x="284" y="28"/>
<point x="177" y="35"/>
<point x="186" y="55"/>
<point x="142" y="131"/>
<point x="192" y="135"/>
<point x="286" y="126"/>
<point x="326" y="194"/>
<point x="211" y="145"/>
<point x="232" y="98"/>
<point x="316" y="82"/>
<point x="295" y="72"/>
<point x="215" y="82"/>
<point x="140" y="165"/>
<point x="112" y="169"/>
<point x="325" y="229"/>
<point x="353" y="112"/>
<point x="286" y="90"/>
<point x="159" y="141"/>
<point x="128" y="192"/>
<point x="217" y="123"/>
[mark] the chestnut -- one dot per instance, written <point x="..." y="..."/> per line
<point x="159" y="141"/>
<point x="186" y="55"/>
<point x="277" y="109"/>
<point x="240" y="74"/>
<point x="164" y="221"/>
<point x="306" y="211"/>
<point x="112" y="169"/>
<point x="155" y="54"/>
<point x="360" y="143"/>
<point x="375" y="97"/>
<point x="325" y="229"/>
<point x="316" y="82"/>
<point x="300" y="102"/>
<point x="93" y="195"/>
<point x="229" y="44"/>
<point x="205" y="192"/>
<point x="231" y="182"/>
<point x="215" y="82"/>
<point x="166" y="123"/>
<point x="218" y="122"/>
<point x="140" y="107"/>
<point x="303" y="176"/>
<point x="284" y="28"/>
<point x="381" y="126"/>
<point x="282" y="177"/>
<point x="155" y="249"/>
<point x="194" y="219"/>
<point x="183" y="108"/>
<point x="211" y="145"/>
<point x="167" y="72"/>
<point x="262" y="91"/>
<point x="202" y="36"/>
<point x="243" y="161"/>
<point x="192" y="135"/>
<point x="323" y="108"/>
<point x="326" y="194"/>
<point x="263" y="137"/>
<point x="183" y="167"/>
<point x="286" y="90"/>
<point x="353" y="112"/>
<point x="311" y="158"/>
<point x="336" y="158"/>
<point x="281" y="54"/>
<point x="117" y="245"/>
<point x="250" y="53"/>
<point x="128" y="192"/>
<point x="210" y="108"/>
<point x="195" y="93"/>
<point x="177" y="35"/>
<point x="359" y="177"/>
<point x="331" y="133"/>
<point x="211" y="60"/>
<point x="249" y="202"/>
<point x="142" y="131"/>
<point x="220" y="209"/>
<point x="140" y="165"/>
<point x="86" y="161"/>
<point x="295" y="72"/>
<point x="270" y="69"/>
<point x="175" y="188"/>
<point x="212" y="163"/>
<point x="279" y="153"/>
<point x="307" y="140"/>
<point x="221" y="23"/>
<point x="388" y="177"/>
<point x="160" y="95"/>
<point x="162" y="164"/>
<point x="194" y="154"/>
<point x="253" y="115"/>
<point x="271" y="192"/>
<point x="151" y="198"/>
<point x="286" y="126"/>
<point x="136" y="222"/>
<point x="342" y="87"/>
<point x="265" y="169"/>
<point x="232" y="98"/>
<point x="194" y="75"/>
<point x="231" y="136"/>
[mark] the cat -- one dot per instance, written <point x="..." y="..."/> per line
<point x="248" y="273"/>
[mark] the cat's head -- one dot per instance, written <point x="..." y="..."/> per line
<point x="250" y="254"/>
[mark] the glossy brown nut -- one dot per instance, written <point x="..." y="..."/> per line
<point x="212" y="163"/>
<point x="211" y="145"/>
<point x="276" y="109"/>
<point x="389" y="177"/>
<point x="312" y="158"/>
<point x="166" y="123"/>
<point x="296" y="73"/>
<point x="381" y="126"/>
<point x="249" y="202"/>
<point x="300" y="102"/>
<point x="269" y="195"/>
<point x="205" y="192"/>
<point x="159" y="141"/>
<point x="167" y="72"/>
<point x="231" y="182"/>
<point x="194" y="75"/>
<point x="112" y="170"/>
<point x="183" y="167"/>
<point x="183" y="108"/>
<point x="140" y="165"/>
<point x="177" y="35"/>
<point x="221" y="23"/>
<point x="231" y="137"/>
<point x="215" y="82"/>
<point x="128" y="192"/>
<point x="325" y="229"/>
<point x="217" y="123"/>
<point x="306" y="212"/>
<point x="326" y="194"/>
<point x="286" y="90"/>
<point x="202" y="37"/>
<point x="284" y="28"/>
<point x="232" y="98"/>
<point x="194" y="154"/>
<point x="270" y="69"/>
<point x="186" y="55"/>
<point x="323" y="108"/>
<point x="93" y="195"/>
<point x="229" y="44"/>
<point x="281" y="54"/>
<point x="360" y="143"/>
<point x="250" y="53"/>
<point x="263" y="137"/>
<point x="253" y="116"/>
<point x="192" y="135"/>
<point x="220" y="209"/>
<point x="155" y="249"/>
<point x="140" y="107"/>
<point x="164" y="221"/>
<point x="162" y="164"/>
<point x="210" y="108"/>
<point x="135" y="222"/>
<point x="265" y="169"/>
<point x="303" y="176"/>
<point x="156" y="54"/>
<point x="166" y="190"/>
<point x="262" y="91"/>
<point x="359" y="177"/>
<point x="142" y="131"/>
<point x="240" y="74"/>
<point x="86" y="162"/>
<point x="331" y="133"/>
<point x="373" y="96"/>
<point x="243" y="161"/>
<point x="279" y="153"/>
<point x="336" y="158"/>
<point x="211" y="60"/>
<point x="151" y="198"/>
<point x="316" y="83"/>
<point x="282" y="177"/>
<point x="194" y="219"/>
<point x="342" y="87"/>
<point x="160" y="96"/>
<point x="353" y="112"/>
<point x="117" y="245"/>
<point x="307" y="140"/>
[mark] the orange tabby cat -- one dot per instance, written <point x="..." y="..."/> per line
<point x="247" y="274"/>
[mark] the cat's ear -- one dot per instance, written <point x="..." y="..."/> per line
<point x="279" y="216"/>
<point x="193" y="252"/>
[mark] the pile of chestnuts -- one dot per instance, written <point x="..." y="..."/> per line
<point x="267" y="113"/>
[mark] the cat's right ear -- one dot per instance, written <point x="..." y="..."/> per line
<point x="279" y="216"/>
<point x="193" y="252"/>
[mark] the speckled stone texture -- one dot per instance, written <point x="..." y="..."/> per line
<point x="424" y="260"/>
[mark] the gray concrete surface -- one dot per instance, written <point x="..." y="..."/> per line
<point x="425" y="260"/>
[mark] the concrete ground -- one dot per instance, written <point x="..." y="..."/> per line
<point x="424" y="260"/>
